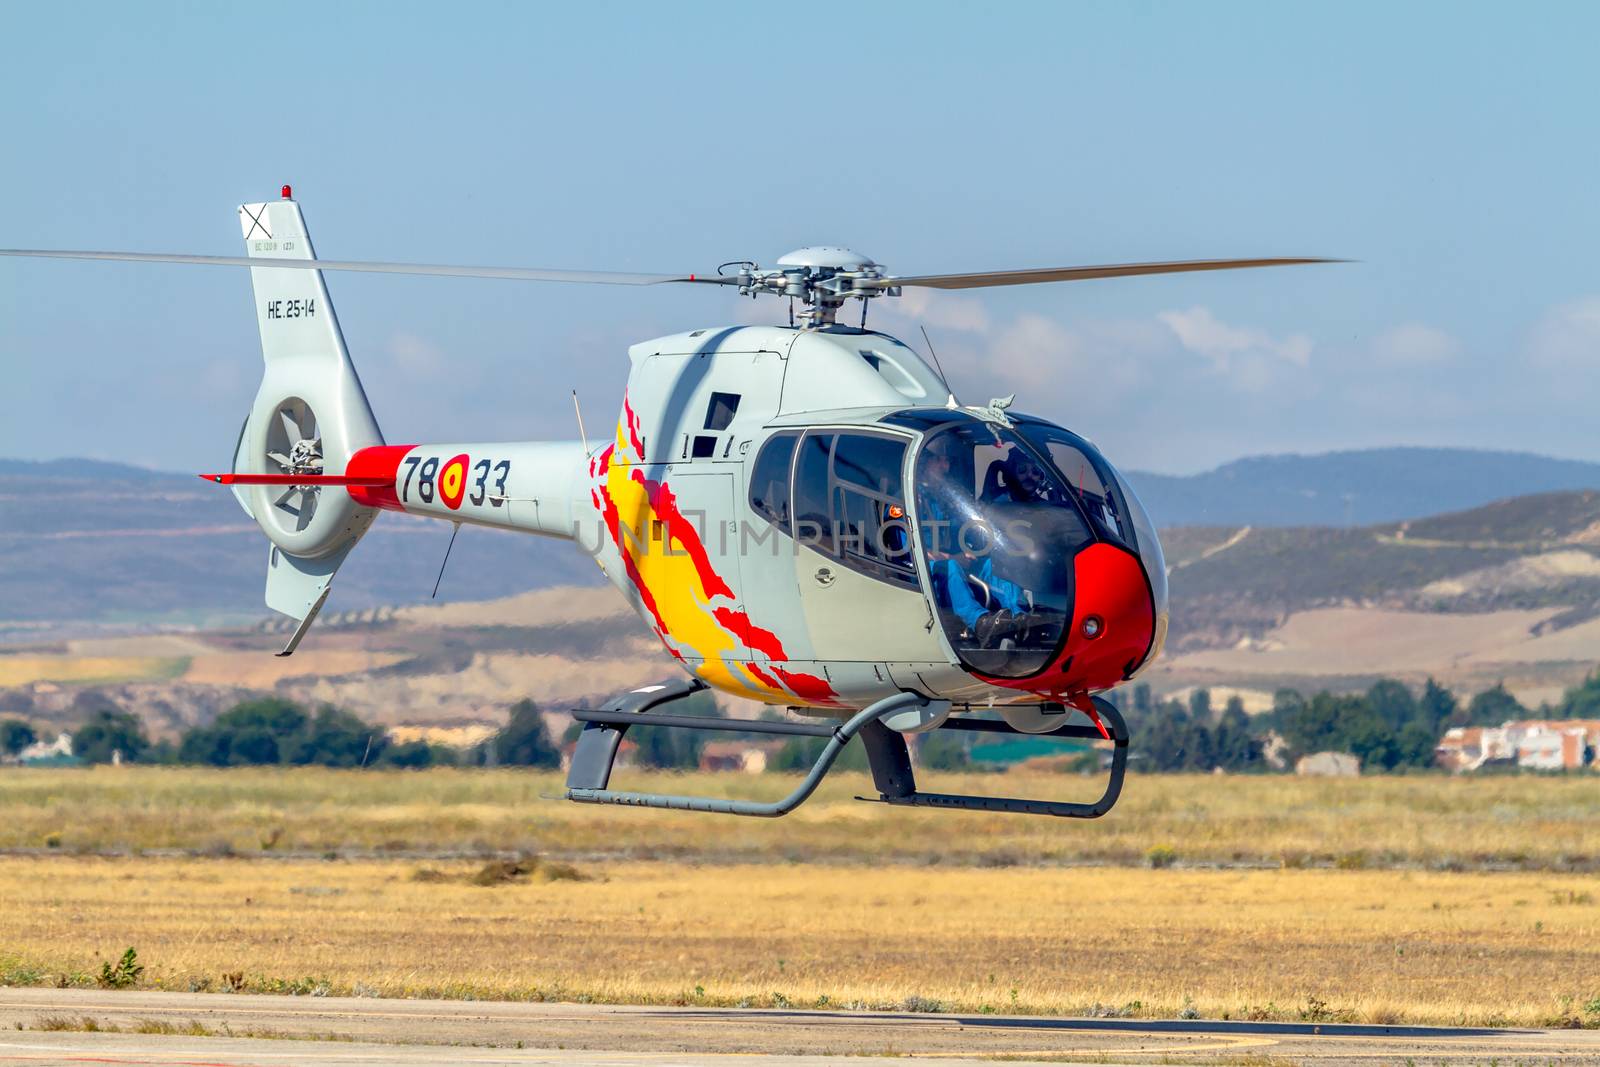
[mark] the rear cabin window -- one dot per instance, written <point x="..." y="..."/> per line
<point x="850" y="503"/>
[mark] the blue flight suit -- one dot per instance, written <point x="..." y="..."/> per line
<point x="953" y="572"/>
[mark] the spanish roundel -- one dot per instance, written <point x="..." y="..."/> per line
<point x="453" y="481"/>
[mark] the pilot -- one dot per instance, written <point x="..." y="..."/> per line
<point x="1024" y="483"/>
<point x="950" y="558"/>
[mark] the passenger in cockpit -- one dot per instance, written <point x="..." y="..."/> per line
<point x="956" y="532"/>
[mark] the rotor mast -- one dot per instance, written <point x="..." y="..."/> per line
<point x="821" y="277"/>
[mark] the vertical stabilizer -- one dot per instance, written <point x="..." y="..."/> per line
<point x="310" y="416"/>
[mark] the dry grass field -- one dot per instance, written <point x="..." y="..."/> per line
<point x="18" y="670"/>
<point x="1374" y="946"/>
<point x="1425" y="822"/>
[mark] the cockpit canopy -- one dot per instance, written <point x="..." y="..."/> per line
<point x="996" y="513"/>
<point x="1001" y="512"/>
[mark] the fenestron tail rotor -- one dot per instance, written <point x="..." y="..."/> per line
<point x="295" y="448"/>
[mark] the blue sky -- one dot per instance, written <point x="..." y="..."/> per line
<point x="1453" y="149"/>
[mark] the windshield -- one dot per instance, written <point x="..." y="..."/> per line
<point x="998" y="530"/>
<point x="1111" y="504"/>
<point x="1093" y="483"/>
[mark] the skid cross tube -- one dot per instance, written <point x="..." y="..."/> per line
<point x="1060" y="809"/>
<point x="704" y="722"/>
<point x="838" y="737"/>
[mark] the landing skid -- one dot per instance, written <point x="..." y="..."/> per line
<point x="589" y="777"/>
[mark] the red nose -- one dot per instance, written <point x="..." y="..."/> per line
<point x="1113" y="622"/>
<point x="1113" y="625"/>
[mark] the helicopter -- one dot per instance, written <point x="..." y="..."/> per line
<point x="803" y="514"/>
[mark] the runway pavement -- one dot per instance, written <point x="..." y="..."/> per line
<point x="52" y="1026"/>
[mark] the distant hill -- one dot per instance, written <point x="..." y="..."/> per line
<point x="1540" y="551"/>
<point x="84" y="540"/>
<point x="1353" y="488"/>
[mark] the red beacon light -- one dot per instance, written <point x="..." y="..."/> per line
<point x="287" y="192"/>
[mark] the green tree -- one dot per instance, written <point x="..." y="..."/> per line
<point x="1163" y="740"/>
<point x="1415" y="745"/>
<point x="1233" y="742"/>
<point x="524" y="741"/>
<point x="251" y="733"/>
<point x="1493" y="707"/>
<point x="1393" y="703"/>
<point x="15" y="735"/>
<point x="1582" y="701"/>
<point x="943" y="750"/>
<point x="414" y="755"/>
<point x="1286" y="703"/>
<point x="335" y="738"/>
<point x="1317" y="725"/>
<point x="1437" y="709"/>
<point x="108" y="732"/>
<point x="667" y="748"/>
<point x="799" y="753"/>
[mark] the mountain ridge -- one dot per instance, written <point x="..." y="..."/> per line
<point x="92" y="541"/>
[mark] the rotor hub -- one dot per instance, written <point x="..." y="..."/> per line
<point x="821" y="277"/>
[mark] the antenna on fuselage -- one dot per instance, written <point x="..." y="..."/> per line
<point x="455" y="529"/>
<point x="579" y="412"/>
<point x="952" y="402"/>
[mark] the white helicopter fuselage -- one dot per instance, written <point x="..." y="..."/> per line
<point x="676" y="512"/>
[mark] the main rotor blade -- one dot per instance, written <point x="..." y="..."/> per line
<point x="524" y="274"/>
<point x="1078" y="274"/>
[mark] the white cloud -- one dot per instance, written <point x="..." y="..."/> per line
<point x="939" y="310"/>
<point x="1569" y="335"/>
<point x="1250" y="359"/>
<point x="1415" y="343"/>
<point x="414" y="357"/>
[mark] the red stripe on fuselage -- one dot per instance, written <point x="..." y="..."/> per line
<point x="382" y="463"/>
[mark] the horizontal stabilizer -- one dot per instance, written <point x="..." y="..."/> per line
<point x="370" y="481"/>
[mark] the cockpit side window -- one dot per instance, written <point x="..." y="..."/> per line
<point x="850" y="503"/>
<point x="769" y="480"/>
<point x="813" y="526"/>
<point x="869" y="511"/>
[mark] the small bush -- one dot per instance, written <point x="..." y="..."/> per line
<point x="82" y="1024"/>
<point x="13" y="972"/>
<point x="1317" y="1010"/>
<point x="922" y="1004"/>
<point x="194" y="1028"/>
<point x="124" y="974"/>
<point x="503" y="872"/>
<point x="1160" y="856"/>
<point x="1351" y="861"/>
<point x="52" y="839"/>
